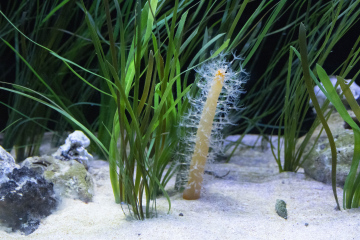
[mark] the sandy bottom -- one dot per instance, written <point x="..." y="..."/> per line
<point x="238" y="206"/>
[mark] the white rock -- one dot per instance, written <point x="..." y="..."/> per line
<point x="74" y="148"/>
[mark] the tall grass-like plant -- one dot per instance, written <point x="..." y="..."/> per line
<point x="44" y="22"/>
<point x="292" y="118"/>
<point x="141" y="120"/>
<point x="145" y="52"/>
<point x="351" y="198"/>
<point x="337" y="19"/>
<point x="260" y="101"/>
<point x="199" y="31"/>
<point x="340" y="14"/>
<point x="351" y="190"/>
<point x="140" y="60"/>
<point x="150" y="133"/>
<point x="329" y="21"/>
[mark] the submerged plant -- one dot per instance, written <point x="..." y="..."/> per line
<point x="220" y="88"/>
<point x="141" y="49"/>
<point x="351" y="194"/>
<point x="352" y="187"/>
<point x="327" y="29"/>
<point x="43" y="21"/>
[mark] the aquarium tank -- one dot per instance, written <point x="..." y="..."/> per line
<point x="157" y="85"/>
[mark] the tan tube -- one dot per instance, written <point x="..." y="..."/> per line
<point x="197" y="165"/>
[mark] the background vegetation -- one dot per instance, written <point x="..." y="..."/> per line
<point x="121" y="69"/>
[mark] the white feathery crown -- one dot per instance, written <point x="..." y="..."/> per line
<point x="228" y="100"/>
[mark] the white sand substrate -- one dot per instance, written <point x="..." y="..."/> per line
<point x="238" y="206"/>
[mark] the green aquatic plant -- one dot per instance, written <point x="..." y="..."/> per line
<point x="42" y="22"/>
<point x="199" y="34"/>
<point x="329" y="21"/>
<point x="351" y="188"/>
<point x="137" y="76"/>
<point x="260" y="101"/>
<point x="141" y="50"/>
<point x="136" y="174"/>
<point x="336" y="19"/>
<point x="305" y="66"/>
<point x="351" y="193"/>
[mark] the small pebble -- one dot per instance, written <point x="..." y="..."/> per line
<point x="181" y="214"/>
<point x="280" y="208"/>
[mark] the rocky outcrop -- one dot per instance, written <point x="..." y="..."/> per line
<point x="25" y="196"/>
<point x="318" y="163"/>
<point x="75" y="149"/>
<point x="32" y="190"/>
<point x="70" y="177"/>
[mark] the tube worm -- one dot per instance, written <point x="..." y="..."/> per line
<point x="220" y="89"/>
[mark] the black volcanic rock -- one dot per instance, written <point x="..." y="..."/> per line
<point x="24" y="199"/>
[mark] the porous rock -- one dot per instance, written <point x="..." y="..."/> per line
<point x="318" y="162"/>
<point x="70" y="177"/>
<point x="75" y="149"/>
<point x="25" y="198"/>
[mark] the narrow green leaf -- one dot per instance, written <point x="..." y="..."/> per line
<point x="309" y="86"/>
<point x="54" y="10"/>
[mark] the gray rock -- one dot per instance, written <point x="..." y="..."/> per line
<point x="318" y="163"/>
<point x="25" y="199"/>
<point x="7" y="164"/>
<point x="280" y="208"/>
<point x="70" y="178"/>
<point x="75" y="149"/>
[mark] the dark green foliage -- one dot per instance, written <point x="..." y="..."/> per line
<point x="46" y="75"/>
<point x="135" y="60"/>
<point x="140" y="57"/>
